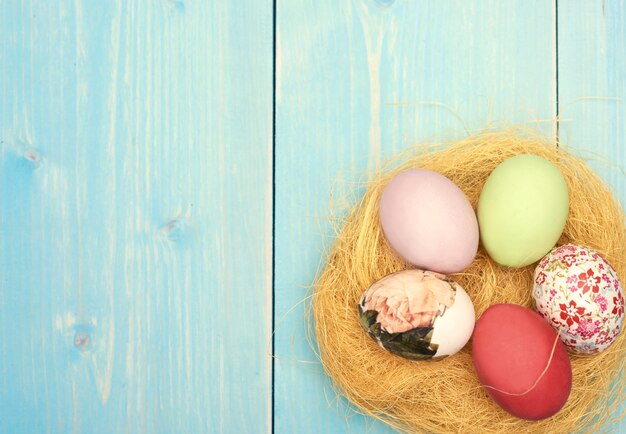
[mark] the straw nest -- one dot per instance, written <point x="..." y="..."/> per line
<point x="445" y="396"/>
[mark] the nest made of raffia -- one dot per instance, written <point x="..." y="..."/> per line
<point x="446" y="396"/>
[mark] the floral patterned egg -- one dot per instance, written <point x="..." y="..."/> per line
<point x="580" y="295"/>
<point x="418" y="315"/>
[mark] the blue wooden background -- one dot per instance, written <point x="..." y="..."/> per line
<point x="168" y="169"/>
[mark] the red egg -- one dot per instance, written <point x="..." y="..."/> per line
<point x="521" y="362"/>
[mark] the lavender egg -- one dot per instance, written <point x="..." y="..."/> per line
<point x="429" y="221"/>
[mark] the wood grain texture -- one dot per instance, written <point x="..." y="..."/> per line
<point x="135" y="216"/>
<point x="136" y="183"/>
<point x="592" y="91"/>
<point x="344" y="73"/>
<point x="592" y="85"/>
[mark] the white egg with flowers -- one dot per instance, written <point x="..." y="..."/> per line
<point x="418" y="315"/>
<point x="579" y="293"/>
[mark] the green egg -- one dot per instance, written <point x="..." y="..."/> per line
<point x="522" y="210"/>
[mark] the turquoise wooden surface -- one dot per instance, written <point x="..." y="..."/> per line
<point x="344" y="71"/>
<point x="592" y="85"/>
<point x="136" y="193"/>
<point x="359" y="81"/>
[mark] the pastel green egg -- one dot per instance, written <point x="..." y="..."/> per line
<point x="522" y="210"/>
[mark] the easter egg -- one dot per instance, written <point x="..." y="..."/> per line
<point x="429" y="221"/>
<point x="581" y="297"/>
<point x="521" y="362"/>
<point x="418" y="315"/>
<point x="522" y="210"/>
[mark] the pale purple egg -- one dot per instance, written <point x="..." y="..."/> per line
<point x="429" y="221"/>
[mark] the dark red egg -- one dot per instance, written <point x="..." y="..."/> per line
<point x="521" y="362"/>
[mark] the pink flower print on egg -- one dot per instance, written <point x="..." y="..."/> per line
<point x="400" y="309"/>
<point x="588" y="281"/>
<point x="541" y="278"/>
<point x="618" y="304"/>
<point x="571" y="313"/>
<point x="569" y="260"/>
<point x="590" y="348"/>
<point x="602" y="302"/>
<point x="568" y="248"/>
<point x="417" y="315"/>
<point x="587" y="329"/>
<point x="603" y="337"/>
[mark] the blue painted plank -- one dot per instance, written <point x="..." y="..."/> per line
<point x="592" y="92"/>
<point x="135" y="216"/>
<point x="592" y="85"/>
<point x="360" y="81"/>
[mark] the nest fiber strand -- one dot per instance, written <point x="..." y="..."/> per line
<point x="446" y="396"/>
